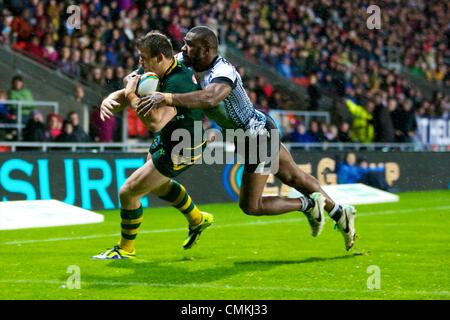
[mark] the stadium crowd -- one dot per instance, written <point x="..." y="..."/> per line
<point x="322" y="45"/>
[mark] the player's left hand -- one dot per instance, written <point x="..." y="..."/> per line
<point x="155" y="100"/>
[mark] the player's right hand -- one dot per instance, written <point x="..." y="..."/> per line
<point x="128" y="77"/>
<point x="107" y="107"/>
<point x="130" y="89"/>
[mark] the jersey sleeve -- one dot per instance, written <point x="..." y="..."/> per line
<point x="225" y="73"/>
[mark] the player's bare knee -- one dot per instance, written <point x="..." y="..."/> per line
<point x="126" y="192"/>
<point x="250" y="209"/>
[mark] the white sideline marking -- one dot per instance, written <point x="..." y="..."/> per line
<point x="221" y="287"/>
<point x="234" y="225"/>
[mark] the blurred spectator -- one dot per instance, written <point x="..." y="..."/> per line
<point x="406" y="125"/>
<point x="64" y="62"/>
<point x="5" y="113"/>
<point x="111" y="82"/>
<point x="20" y="93"/>
<point x="331" y="134"/>
<point x="315" y="132"/>
<point x="284" y="68"/>
<point x="101" y="131"/>
<point x="344" y="132"/>
<point x="97" y="76"/>
<point x="78" y="133"/>
<point x="49" y="51"/>
<point x="373" y="176"/>
<point x="7" y="117"/>
<point x="34" y="48"/>
<point x="351" y="171"/>
<point x="67" y="134"/>
<point x="54" y="126"/>
<point x="74" y="64"/>
<point x="86" y="63"/>
<point x="300" y="135"/>
<point x="21" y="28"/>
<point x="382" y="122"/>
<point x="362" y="127"/>
<point x="347" y="170"/>
<point x="35" y="129"/>
<point x="313" y="93"/>
<point x="78" y="93"/>
<point x="111" y="58"/>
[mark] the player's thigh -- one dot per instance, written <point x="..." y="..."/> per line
<point x="288" y="171"/>
<point x="252" y="187"/>
<point x="144" y="180"/>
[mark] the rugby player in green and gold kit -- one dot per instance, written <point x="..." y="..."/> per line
<point x="156" y="175"/>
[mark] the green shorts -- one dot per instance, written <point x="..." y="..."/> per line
<point x="162" y="158"/>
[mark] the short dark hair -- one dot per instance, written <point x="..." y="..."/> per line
<point x="71" y="113"/>
<point x="206" y="36"/>
<point x="16" y="78"/>
<point x="155" y="43"/>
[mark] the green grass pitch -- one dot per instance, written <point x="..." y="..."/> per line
<point x="240" y="257"/>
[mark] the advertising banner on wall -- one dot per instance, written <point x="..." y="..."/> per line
<point x="434" y="130"/>
<point x="92" y="180"/>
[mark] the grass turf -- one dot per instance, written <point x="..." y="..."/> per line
<point x="240" y="257"/>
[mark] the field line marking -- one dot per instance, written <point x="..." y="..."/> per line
<point x="233" y="225"/>
<point x="218" y="287"/>
<point x="389" y="212"/>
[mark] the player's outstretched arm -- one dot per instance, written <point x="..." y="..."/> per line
<point x="115" y="102"/>
<point x="207" y="98"/>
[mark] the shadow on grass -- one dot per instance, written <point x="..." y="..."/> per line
<point x="176" y="273"/>
<point x="308" y="260"/>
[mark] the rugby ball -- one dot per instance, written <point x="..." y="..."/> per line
<point x="148" y="83"/>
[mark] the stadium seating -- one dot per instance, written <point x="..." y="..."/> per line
<point x="328" y="51"/>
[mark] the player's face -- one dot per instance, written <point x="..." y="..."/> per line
<point x="192" y="52"/>
<point x="150" y="64"/>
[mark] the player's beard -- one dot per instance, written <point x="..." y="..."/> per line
<point x="187" y="60"/>
<point x="192" y="61"/>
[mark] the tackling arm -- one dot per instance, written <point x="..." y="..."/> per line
<point x="207" y="98"/>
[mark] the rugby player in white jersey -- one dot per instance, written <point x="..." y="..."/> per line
<point x="224" y="99"/>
